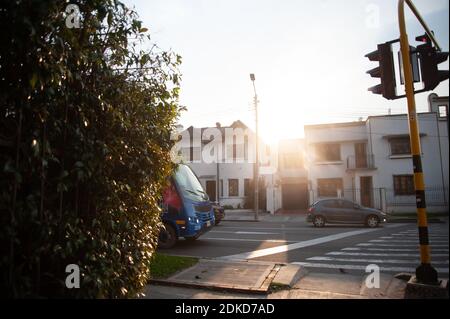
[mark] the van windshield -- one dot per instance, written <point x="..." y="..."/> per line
<point x="189" y="184"/>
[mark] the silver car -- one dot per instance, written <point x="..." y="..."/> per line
<point x="342" y="211"/>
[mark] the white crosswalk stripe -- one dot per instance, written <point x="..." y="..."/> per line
<point x="403" y="241"/>
<point x="393" y="249"/>
<point x="396" y="252"/>
<point x="342" y="253"/>
<point x="363" y="267"/>
<point x="373" y="261"/>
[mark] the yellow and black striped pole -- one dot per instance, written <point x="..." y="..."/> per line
<point x="425" y="273"/>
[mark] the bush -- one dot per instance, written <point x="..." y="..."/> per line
<point x="85" y="128"/>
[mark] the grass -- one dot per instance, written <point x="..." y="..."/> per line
<point x="163" y="265"/>
<point x="274" y="287"/>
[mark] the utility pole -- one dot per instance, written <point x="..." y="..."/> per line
<point x="218" y="149"/>
<point x="218" y="177"/>
<point x="256" y="167"/>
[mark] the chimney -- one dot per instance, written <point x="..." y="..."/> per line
<point x="218" y="124"/>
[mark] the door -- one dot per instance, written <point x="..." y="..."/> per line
<point x="349" y="212"/>
<point x="330" y="209"/>
<point x="294" y="196"/>
<point x="211" y="190"/>
<point x="361" y="155"/>
<point x="366" y="191"/>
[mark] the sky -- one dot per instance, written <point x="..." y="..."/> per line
<point x="307" y="56"/>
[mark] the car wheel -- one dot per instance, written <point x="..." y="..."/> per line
<point x="167" y="237"/>
<point x="372" y="221"/>
<point x="319" y="221"/>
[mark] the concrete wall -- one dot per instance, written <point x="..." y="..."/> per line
<point x="346" y="136"/>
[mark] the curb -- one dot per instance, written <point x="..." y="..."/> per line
<point x="264" y="289"/>
<point x="256" y="291"/>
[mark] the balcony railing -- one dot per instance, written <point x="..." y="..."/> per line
<point x="361" y="162"/>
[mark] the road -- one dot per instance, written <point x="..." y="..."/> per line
<point x="334" y="248"/>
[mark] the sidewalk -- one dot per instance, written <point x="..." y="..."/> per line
<point x="247" y="215"/>
<point x="212" y="278"/>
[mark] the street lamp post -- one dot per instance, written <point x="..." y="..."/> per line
<point x="256" y="167"/>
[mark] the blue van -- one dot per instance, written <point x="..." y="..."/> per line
<point x="187" y="211"/>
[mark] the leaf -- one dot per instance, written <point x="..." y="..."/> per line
<point x="33" y="80"/>
<point x="143" y="30"/>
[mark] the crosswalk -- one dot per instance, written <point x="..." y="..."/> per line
<point x="396" y="252"/>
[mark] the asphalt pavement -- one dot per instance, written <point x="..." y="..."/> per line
<point x="346" y="249"/>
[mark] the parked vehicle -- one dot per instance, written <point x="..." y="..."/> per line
<point x="187" y="211"/>
<point x="219" y="212"/>
<point x="342" y="211"/>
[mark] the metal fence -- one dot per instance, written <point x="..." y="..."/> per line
<point x="381" y="198"/>
<point x="434" y="196"/>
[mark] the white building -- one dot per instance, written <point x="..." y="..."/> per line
<point x="367" y="161"/>
<point x="227" y="176"/>
<point x="370" y="161"/>
<point x="287" y="189"/>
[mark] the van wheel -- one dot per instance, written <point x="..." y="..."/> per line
<point x="191" y="238"/>
<point x="372" y="221"/>
<point x="167" y="237"/>
<point x="319" y="221"/>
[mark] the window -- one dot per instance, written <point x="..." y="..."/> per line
<point x="328" y="187"/>
<point x="233" y="187"/>
<point x="400" y="146"/>
<point x="328" y="152"/>
<point x="331" y="204"/>
<point x="346" y="204"/>
<point x="292" y="160"/>
<point x="221" y="188"/>
<point x="403" y="185"/>
<point x="442" y="110"/>
<point x="246" y="187"/>
<point x="246" y="148"/>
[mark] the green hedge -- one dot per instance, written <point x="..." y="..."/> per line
<point x="85" y="122"/>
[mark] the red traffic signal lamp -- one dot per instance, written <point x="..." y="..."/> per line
<point x="430" y="58"/>
<point x="385" y="71"/>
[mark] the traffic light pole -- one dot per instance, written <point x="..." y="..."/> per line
<point x="425" y="273"/>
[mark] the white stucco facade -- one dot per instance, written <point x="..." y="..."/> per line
<point x="385" y="173"/>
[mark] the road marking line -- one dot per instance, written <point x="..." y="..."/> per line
<point x="375" y="261"/>
<point x="341" y="253"/>
<point x="297" y="245"/>
<point x="242" y="232"/>
<point x="255" y="240"/>
<point x="254" y="233"/>
<point x="391" y="249"/>
<point x="399" y="245"/>
<point x="415" y="236"/>
<point x="267" y="228"/>
<point x="361" y="267"/>
<point x="412" y="240"/>
<point x="393" y="225"/>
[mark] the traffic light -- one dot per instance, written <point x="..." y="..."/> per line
<point x="430" y="58"/>
<point x="385" y="71"/>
